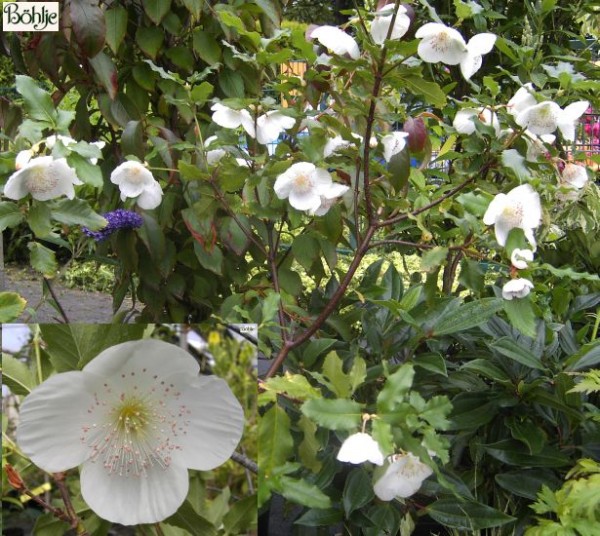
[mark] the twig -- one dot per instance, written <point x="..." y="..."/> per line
<point x="245" y="462"/>
<point x="55" y="298"/>
<point x="272" y="255"/>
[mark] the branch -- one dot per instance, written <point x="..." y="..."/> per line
<point x="245" y="462"/>
<point x="275" y="278"/>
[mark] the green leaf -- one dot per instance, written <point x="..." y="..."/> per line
<point x="526" y="482"/>
<point x="188" y="519"/>
<point x="132" y="140"/>
<point x="310" y="445"/>
<point x="314" y="349"/>
<point x="206" y="46"/>
<point x="294" y="385"/>
<point x="430" y="91"/>
<point x="232" y="84"/>
<point x="339" y="414"/>
<point x="201" y="93"/>
<point x="333" y="369"/>
<point x="396" y="388"/>
<point x="569" y="273"/>
<point x="72" y="346"/>
<point x="486" y="369"/>
<point x="275" y="439"/>
<point x="149" y="40"/>
<point x="42" y="259"/>
<point x="210" y="259"/>
<point x="521" y="315"/>
<point x="467" y="515"/>
<point x="89" y="27"/>
<point x="411" y="298"/>
<point x="39" y="219"/>
<point x="116" y="26"/>
<point x="432" y="258"/>
<point x="357" y="374"/>
<point x="510" y="348"/>
<point x="305" y="249"/>
<point x="86" y="171"/>
<point x="156" y="9"/>
<point x="231" y="20"/>
<point x="38" y="103"/>
<point x="467" y="316"/>
<point x="358" y="490"/>
<point x="16" y="375"/>
<point x="431" y="362"/>
<point x="511" y="452"/>
<point x="11" y="306"/>
<point x="241" y="517"/>
<point x="587" y="356"/>
<point x="320" y="518"/>
<point x="527" y="432"/>
<point x="269" y="307"/>
<point x="302" y="492"/>
<point x="77" y="212"/>
<point x="399" y="168"/>
<point x="106" y="71"/>
<point x="48" y="525"/>
<point x="512" y="159"/>
<point x="10" y="215"/>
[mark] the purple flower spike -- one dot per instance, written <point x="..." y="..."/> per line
<point x="117" y="219"/>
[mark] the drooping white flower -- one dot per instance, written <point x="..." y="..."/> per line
<point x="304" y="185"/>
<point x="520" y="208"/>
<point x="135" y="180"/>
<point x="464" y="120"/>
<point x="516" y="288"/>
<point x="574" y="175"/>
<point x="383" y="19"/>
<point x="44" y="178"/>
<point x="336" y="40"/>
<point x="271" y="124"/>
<point x="229" y="118"/>
<point x="477" y="46"/>
<point x="336" y="143"/>
<point x="521" y="100"/>
<point x="404" y="474"/>
<point x="328" y="198"/>
<point x="135" y="419"/>
<point x="360" y="448"/>
<point x="393" y="143"/>
<point x="546" y="117"/>
<point x="520" y="257"/>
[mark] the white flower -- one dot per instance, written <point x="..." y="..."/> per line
<point x="574" y="175"/>
<point x="536" y="147"/>
<point x="464" y="121"/>
<point x="304" y="185"/>
<point x="521" y="100"/>
<point x="520" y="208"/>
<point x="67" y="141"/>
<point x="333" y="145"/>
<point x="44" y="178"/>
<point x="336" y="40"/>
<point x="329" y="197"/>
<point x="23" y="158"/>
<point x="359" y="448"/>
<point x="270" y="125"/>
<point x="135" y="419"/>
<point x="393" y="143"/>
<point x="403" y="476"/>
<point x="381" y="23"/>
<point x="516" y="288"/>
<point x="134" y="180"/>
<point x="440" y="43"/>
<point x="546" y="117"/>
<point x="520" y="257"/>
<point x="229" y="118"/>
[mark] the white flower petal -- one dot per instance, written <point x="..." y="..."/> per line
<point x="541" y="118"/>
<point x="568" y="118"/>
<point x="381" y="24"/>
<point x="470" y="64"/>
<point x="574" y="175"/>
<point x="359" y="448"/>
<point x="464" y="120"/>
<point x="23" y="158"/>
<point x="494" y="209"/>
<point x="439" y="43"/>
<point x="482" y="43"/>
<point x="151" y="197"/>
<point x="270" y="125"/>
<point x="149" y="498"/>
<point x="51" y="417"/>
<point x="213" y="433"/>
<point x="521" y="100"/>
<point x="516" y="288"/>
<point x="309" y="200"/>
<point x="402" y="478"/>
<point x="520" y="258"/>
<point x="337" y="41"/>
<point x="393" y="144"/>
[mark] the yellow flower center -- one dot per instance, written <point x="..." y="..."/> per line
<point x="302" y="183"/>
<point x="513" y="215"/>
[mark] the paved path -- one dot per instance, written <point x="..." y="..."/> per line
<point x="80" y="306"/>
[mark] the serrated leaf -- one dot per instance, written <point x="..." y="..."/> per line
<point x="42" y="259"/>
<point x="16" y="374"/>
<point x="569" y="273"/>
<point x="433" y="258"/>
<point x="338" y="414"/>
<point x="189" y="520"/>
<point x="396" y="387"/>
<point x="11" y="306"/>
<point x="294" y="385"/>
<point x="467" y="316"/>
<point x="587" y="356"/>
<point x="357" y="374"/>
<point x="338" y="380"/>
<point x="300" y="491"/>
<point x="10" y="215"/>
<point x="309" y="446"/>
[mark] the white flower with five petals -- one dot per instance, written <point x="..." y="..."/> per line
<point x="464" y="120"/>
<point x="520" y="208"/>
<point x="547" y="116"/>
<point x="382" y="21"/>
<point x="574" y="175"/>
<point x="135" y="180"/>
<point x="402" y="477"/>
<point x="135" y="419"/>
<point x="336" y="40"/>
<point x="44" y="178"/>
<point x="360" y="448"/>
<point x="516" y="288"/>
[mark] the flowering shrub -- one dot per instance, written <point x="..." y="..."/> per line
<point x="440" y="132"/>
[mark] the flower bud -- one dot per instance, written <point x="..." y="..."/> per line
<point x="417" y="134"/>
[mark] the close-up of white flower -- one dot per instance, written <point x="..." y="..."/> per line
<point x="520" y="208"/>
<point x="382" y="21"/>
<point x="135" y="419"/>
<point x="304" y="185"/>
<point x="44" y="178"/>
<point x="521" y="100"/>
<point x="336" y="40"/>
<point x="516" y="288"/>
<point x="464" y="121"/>
<point x="328" y="198"/>
<point x="440" y="43"/>
<point x="271" y="124"/>
<point x="393" y="143"/>
<point x="135" y="180"/>
<point x="402" y="477"/>
<point x="546" y="117"/>
<point x="229" y="118"/>
<point x="360" y="448"/>
<point x="574" y="175"/>
<point x="336" y="143"/>
<point x="520" y="257"/>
